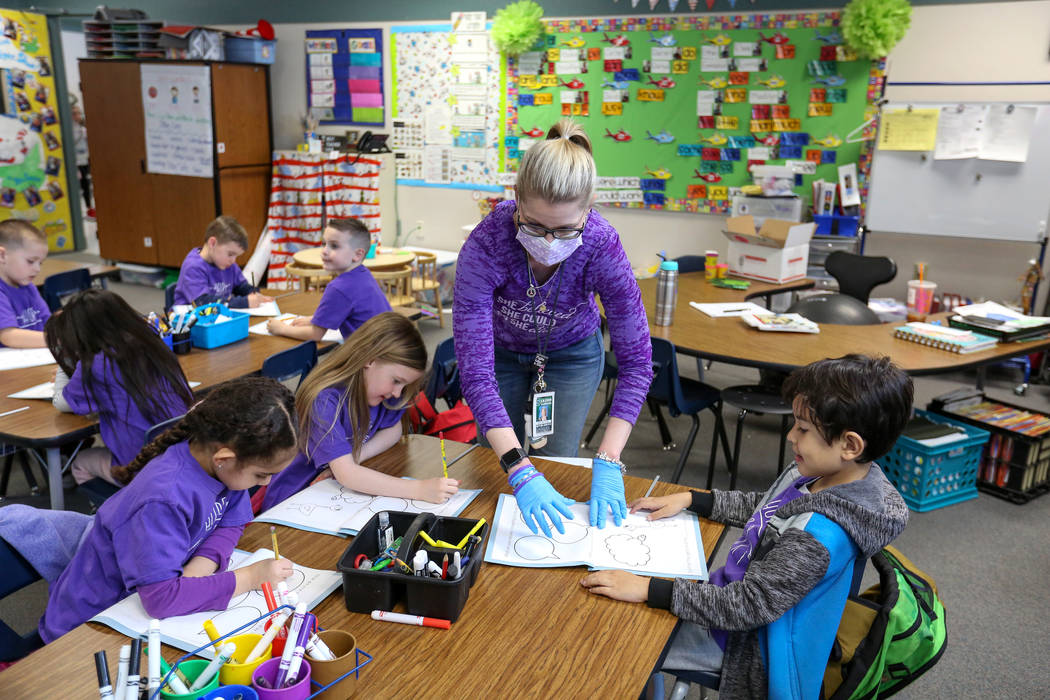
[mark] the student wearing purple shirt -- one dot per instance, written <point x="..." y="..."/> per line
<point x="210" y="273"/>
<point x="351" y="298"/>
<point x="350" y="409"/>
<point x="22" y="309"/>
<point x="524" y="302"/>
<point x="169" y="533"/>
<point x="111" y="362"/>
<point x="766" y="621"/>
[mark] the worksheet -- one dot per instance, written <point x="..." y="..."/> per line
<point x="19" y="358"/>
<point x="332" y="509"/>
<point x="671" y="547"/>
<point x="187" y="631"/>
<point x="332" y="335"/>
<point x="267" y="309"/>
<point x="46" y="391"/>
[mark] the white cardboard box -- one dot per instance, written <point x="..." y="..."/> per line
<point x="778" y="252"/>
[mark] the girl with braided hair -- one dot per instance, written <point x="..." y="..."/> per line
<point x="168" y="534"/>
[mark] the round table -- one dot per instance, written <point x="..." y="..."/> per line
<point x="311" y="257"/>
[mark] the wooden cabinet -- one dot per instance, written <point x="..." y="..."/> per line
<point x="156" y="219"/>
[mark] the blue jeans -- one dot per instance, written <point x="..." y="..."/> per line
<point x="572" y="373"/>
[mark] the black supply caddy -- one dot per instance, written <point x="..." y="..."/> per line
<point x="365" y="590"/>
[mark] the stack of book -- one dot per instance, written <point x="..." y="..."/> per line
<point x="931" y="434"/>
<point x="943" y="338"/>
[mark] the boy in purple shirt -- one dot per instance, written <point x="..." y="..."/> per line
<point x="168" y="534"/>
<point x="23" y="311"/>
<point x="210" y="273"/>
<point x="351" y="298"/>
<point x="525" y="322"/>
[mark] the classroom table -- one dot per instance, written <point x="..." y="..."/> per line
<point x="731" y="340"/>
<point x="53" y="266"/>
<point x="389" y="259"/>
<point x="523" y="631"/>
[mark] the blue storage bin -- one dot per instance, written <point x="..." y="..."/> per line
<point x="209" y="332"/>
<point x="245" y="50"/>
<point x="933" y="477"/>
<point x="836" y="225"/>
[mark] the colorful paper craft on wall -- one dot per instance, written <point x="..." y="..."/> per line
<point x="679" y="108"/>
<point x="344" y="76"/>
<point x="33" y="180"/>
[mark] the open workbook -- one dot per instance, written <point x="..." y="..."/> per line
<point x="671" y="547"/>
<point x="332" y="509"/>
<point x="187" y="631"/>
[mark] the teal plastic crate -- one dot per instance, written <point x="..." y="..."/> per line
<point x="934" y="477"/>
<point x="209" y="332"/>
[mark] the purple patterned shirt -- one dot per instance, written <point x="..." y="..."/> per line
<point x="490" y="308"/>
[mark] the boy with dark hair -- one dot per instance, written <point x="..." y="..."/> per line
<point x="23" y="311"/>
<point x="351" y="298"/>
<point x="210" y="273"/>
<point x="766" y="621"/>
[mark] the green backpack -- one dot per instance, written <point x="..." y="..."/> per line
<point x="889" y="635"/>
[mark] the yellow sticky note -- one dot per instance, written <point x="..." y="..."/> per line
<point x="718" y="192"/>
<point x="679" y="67"/>
<point x="543" y="98"/>
<point x="650" y="95"/>
<point x="908" y="130"/>
<point x="548" y="80"/>
<point x="689" y="53"/>
<point x="527" y="81"/>
<point x="612" y="108"/>
<point x="819" y="109"/>
<point x="736" y="95"/>
<point x="553" y="54"/>
<point x="722" y="122"/>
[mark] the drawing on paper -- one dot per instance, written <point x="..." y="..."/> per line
<point x="629" y="550"/>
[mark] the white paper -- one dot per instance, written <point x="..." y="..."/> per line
<point x="1007" y="133"/>
<point x="438" y="122"/>
<point x="267" y="309"/>
<point x="20" y="358"/>
<point x="186" y="631"/>
<point x="332" y="509"/>
<point x="436" y="165"/>
<point x="671" y="547"/>
<point x="728" y="309"/>
<point x="44" y="391"/>
<point x="960" y="131"/>
<point x="332" y="335"/>
<point x="176" y="103"/>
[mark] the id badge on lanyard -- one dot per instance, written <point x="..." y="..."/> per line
<point x="539" y="416"/>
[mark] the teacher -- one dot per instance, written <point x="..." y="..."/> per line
<point x="528" y="334"/>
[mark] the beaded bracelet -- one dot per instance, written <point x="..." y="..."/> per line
<point x="517" y="476"/>
<point x="521" y="484"/>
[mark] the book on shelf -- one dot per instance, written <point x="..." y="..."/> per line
<point x="944" y="338"/>
<point x="790" y="323"/>
<point x="932" y="434"/>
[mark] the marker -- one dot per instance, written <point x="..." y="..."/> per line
<point x="455" y="569"/>
<point x="276" y="624"/>
<point x="223" y="657"/>
<point x="427" y="539"/>
<point x="418" y="621"/>
<point x="176" y="682"/>
<point x="289" y="649"/>
<point x="282" y="593"/>
<point x="386" y="533"/>
<point x="105" y="689"/>
<point x="267" y="591"/>
<point x="122" y="669"/>
<point x="273" y="538"/>
<point x="153" y="656"/>
<point x="213" y="634"/>
<point x="651" y="486"/>
<point x="419" y="563"/>
<point x="444" y="459"/>
<point x="434" y="569"/>
<point x="297" y="654"/>
<point x="318" y="650"/>
<point x="131" y="686"/>
<point x="472" y="531"/>
<point x="17" y="410"/>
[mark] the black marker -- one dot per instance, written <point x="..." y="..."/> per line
<point x="131" y="690"/>
<point x="105" y="688"/>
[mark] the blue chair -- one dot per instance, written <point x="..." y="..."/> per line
<point x="61" y="285"/>
<point x="98" y="490"/>
<point x="686" y="396"/>
<point x="286" y="364"/>
<point x="18" y="574"/>
<point x="169" y="297"/>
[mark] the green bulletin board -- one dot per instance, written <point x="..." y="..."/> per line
<point x="687" y="103"/>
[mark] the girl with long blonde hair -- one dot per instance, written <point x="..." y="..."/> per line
<point x="350" y="409"/>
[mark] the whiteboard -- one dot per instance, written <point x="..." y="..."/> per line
<point x="910" y="192"/>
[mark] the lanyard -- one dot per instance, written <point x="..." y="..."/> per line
<point x="540" y="360"/>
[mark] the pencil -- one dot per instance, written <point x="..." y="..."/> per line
<point x="464" y="453"/>
<point x="651" y="487"/>
<point x="444" y="459"/>
<point x="17" y="410"/>
<point x="273" y="537"/>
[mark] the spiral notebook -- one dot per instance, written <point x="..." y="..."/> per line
<point x="944" y="338"/>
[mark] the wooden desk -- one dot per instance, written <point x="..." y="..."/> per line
<point x="311" y="257"/>
<point x="53" y="266"/>
<point x="730" y="340"/>
<point x="523" y="631"/>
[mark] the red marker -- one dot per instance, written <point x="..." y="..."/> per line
<point x="271" y="601"/>
<point x="418" y="621"/>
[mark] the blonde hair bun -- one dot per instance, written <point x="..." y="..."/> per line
<point x="559" y="169"/>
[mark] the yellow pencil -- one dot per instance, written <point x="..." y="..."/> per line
<point x="273" y="538"/>
<point x="444" y="459"/>
<point x="466" y="537"/>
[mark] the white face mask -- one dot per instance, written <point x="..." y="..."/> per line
<point x="548" y="252"/>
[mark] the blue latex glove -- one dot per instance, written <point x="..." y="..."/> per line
<point x="606" y="492"/>
<point x="538" y="497"/>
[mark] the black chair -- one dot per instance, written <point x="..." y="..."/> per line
<point x="169" y="297"/>
<point x="840" y="309"/>
<point x="286" y="364"/>
<point x="688" y="396"/>
<point x="857" y="275"/>
<point x="10" y="453"/>
<point x="18" y="573"/>
<point x="61" y="285"/>
<point x="690" y="263"/>
<point x="443" y="382"/>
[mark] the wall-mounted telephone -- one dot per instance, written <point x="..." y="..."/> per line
<point x="372" y="143"/>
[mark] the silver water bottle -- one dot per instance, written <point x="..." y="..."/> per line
<point x="666" y="293"/>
